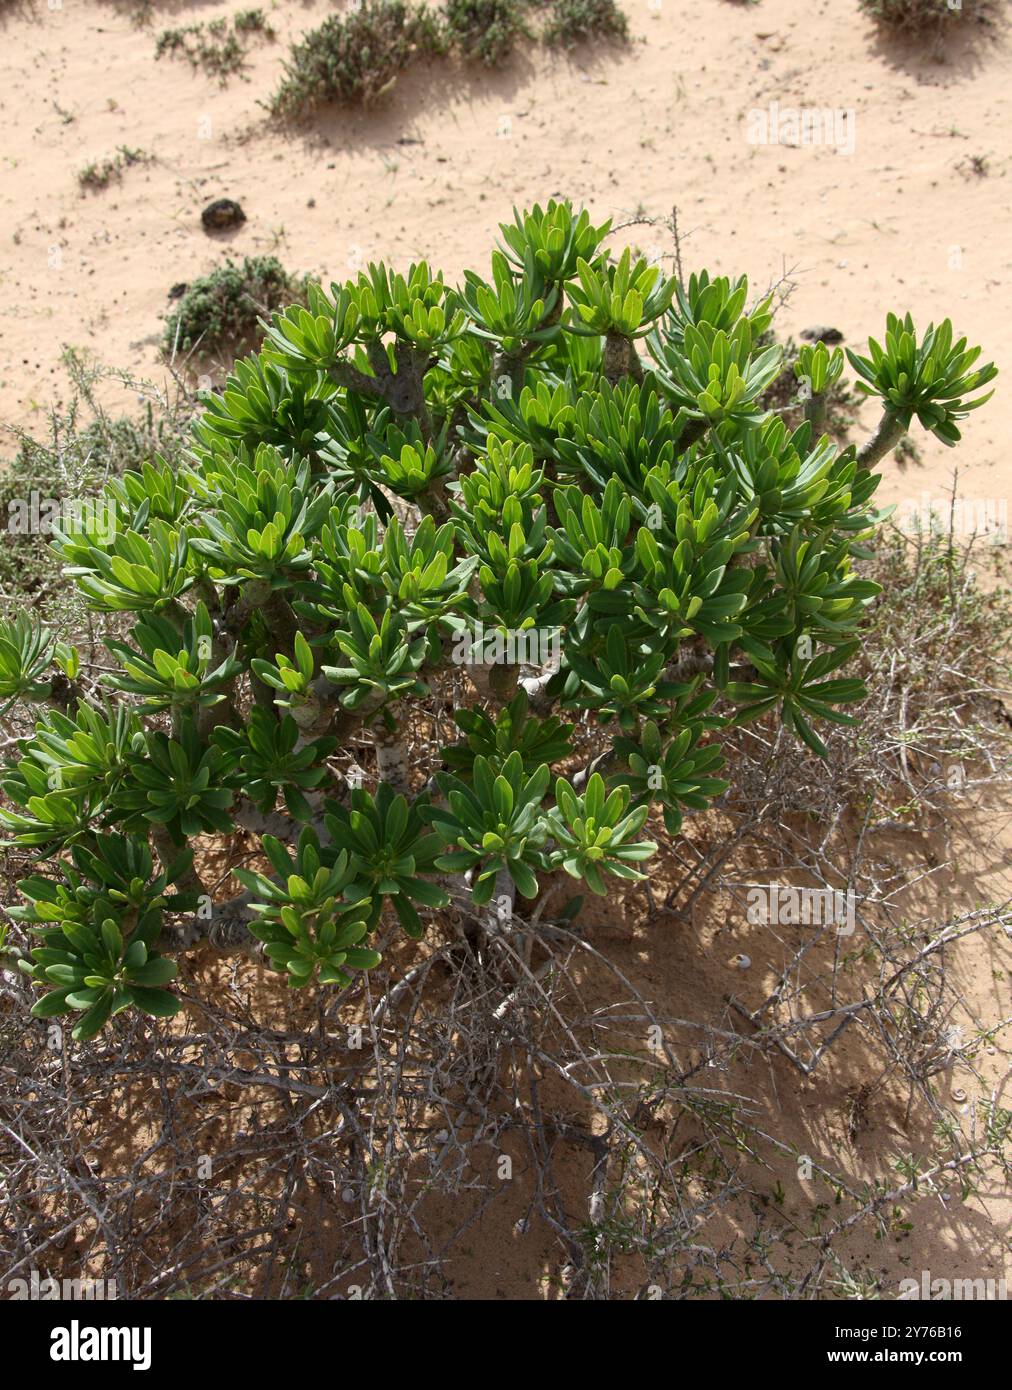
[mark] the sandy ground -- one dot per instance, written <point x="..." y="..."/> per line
<point x="906" y="220"/>
<point x="899" y="222"/>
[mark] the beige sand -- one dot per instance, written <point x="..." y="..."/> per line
<point x="902" y="222"/>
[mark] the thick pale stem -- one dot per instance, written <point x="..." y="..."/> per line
<point x="223" y="713"/>
<point x="282" y="622"/>
<point x="495" y="680"/>
<point x="316" y="715"/>
<point x="393" y="762"/>
<point x="502" y="680"/>
<point x="501" y="906"/>
<point x="226" y="928"/>
<point x="479" y="673"/>
<point x="168" y="852"/>
<point x="512" y="366"/>
<point x="255" y="594"/>
<point x="620" y="359"/>
<point x="604" y="763"/>
<point x="402" y="390"/>
<point x="279" y="823"/>
<point x="536" y="689"/>
<point x="353" y="380"/>
<point x="508" y="375"/>
<point x="694" y="663"/>
<point x="347" y="721"/>
<point x="888" y="434"/>
<point x="435" y="501"/>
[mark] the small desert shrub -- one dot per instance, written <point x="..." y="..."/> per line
<point x="921" y="14"/>
<point x="252" y="22"/>
<point x="28" y="568"/>
<point x="351" y="58"/>
<point x="974" y="166"/>
<point x="73" y="456"/>
<point x="100" y="173"/>
<point x="572" y="21"/>
<point x="356" y="57"/>
<point x="485" y="29"/>
<point x="215" y="48"/>
<point x="222" y="309"/>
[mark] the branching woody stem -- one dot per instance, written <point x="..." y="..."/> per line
<point x="887" y="435"/>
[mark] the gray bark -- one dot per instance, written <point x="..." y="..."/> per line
<point x="887" y="435"/>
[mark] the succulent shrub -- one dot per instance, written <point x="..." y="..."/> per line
<point x="550" y="497"/>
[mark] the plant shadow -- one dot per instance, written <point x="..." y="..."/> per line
<point x="952" y="53"/>
<point x="451" y="88"/>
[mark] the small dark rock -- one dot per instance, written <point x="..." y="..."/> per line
<point x="222" y="213"/>
<point x="822" y="335"/>
<point x="179" y="290"/>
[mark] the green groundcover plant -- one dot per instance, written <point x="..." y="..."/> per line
<point x="556" y="481"/>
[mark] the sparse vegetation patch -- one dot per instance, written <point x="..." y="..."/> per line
<point x="217" y="48"/>
<point x="575" y="21"/>
<point x="923" y="15"/>
<point x="486" y="30"/>
<point x="358" y="56"/>
<point x="221" y="309"/>
<point x="99" y="174"/>
<point x="80" y="448"/>
<point x="354" y="57"/>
